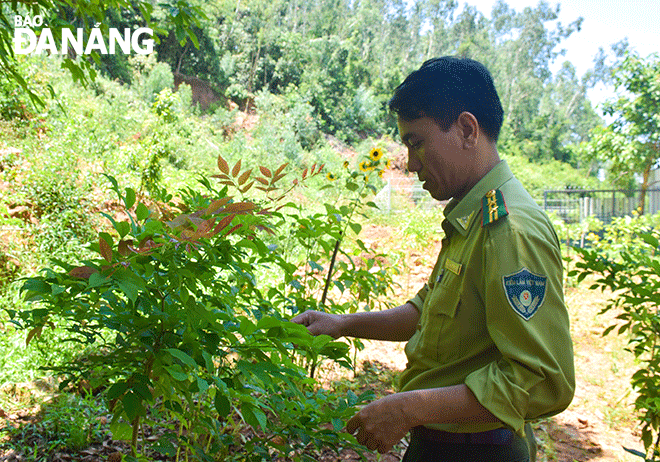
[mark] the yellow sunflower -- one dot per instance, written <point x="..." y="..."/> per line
<point x="366" y="166"/>
<point x="388" y="164"/>
<point x="376" y="154"/>
<point x="345" y="164"/>
<point x="331" y="177"/>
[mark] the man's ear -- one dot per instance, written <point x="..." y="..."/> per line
<point x="469" y="129"/>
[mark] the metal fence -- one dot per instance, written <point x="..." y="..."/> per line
<point x="575" y="205"/>
<point x="402" y="194"/>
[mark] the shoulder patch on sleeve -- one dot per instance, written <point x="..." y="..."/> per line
<point x="525" y="292"/>
<point x="493" y="207"/>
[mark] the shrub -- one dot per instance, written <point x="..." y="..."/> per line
<point x="630" y="269"/>
<point x="189" y="331"/>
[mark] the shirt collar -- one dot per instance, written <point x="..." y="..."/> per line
<point x="460" y="214"/>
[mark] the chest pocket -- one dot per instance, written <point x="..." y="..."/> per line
<point x="440" y="336"/>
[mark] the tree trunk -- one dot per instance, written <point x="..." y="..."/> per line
<point x="645" y="186"/>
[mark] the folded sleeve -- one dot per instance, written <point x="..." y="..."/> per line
<point x="418" y="300"/>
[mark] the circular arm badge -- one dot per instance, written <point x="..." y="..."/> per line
<point x="525" y="292"/>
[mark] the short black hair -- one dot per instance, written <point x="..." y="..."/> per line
<point x="445" y="87"/>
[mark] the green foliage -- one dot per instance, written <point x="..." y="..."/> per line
<point x="59" y="15"/>
<point x="631" y="144"/>
<point x="630" y="269"/>
<point x="66" y="423"/>
<point x="183" y="322"/>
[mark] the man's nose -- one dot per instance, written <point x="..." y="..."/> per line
<point x="414" y="165"/>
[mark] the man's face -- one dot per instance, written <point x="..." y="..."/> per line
<point x="437" y="156"/>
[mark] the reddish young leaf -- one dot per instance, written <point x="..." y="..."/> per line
<point x="147" y="245"/>
<point x="280" y="168"/>
<point x="305" y="173"/>
<point x="35" y="332"/>
<point x="247" y="188"/>
<point x="261" y="188"/>
<point x="105" y="250"/>
<point x="278" y="177"/>
<point x="223" y="165"/>
<point x="240" y="207"/>
<point x="222" y="224"/>
<point x="187" y="234"/>
<point x="217" y="205"/>
<point x="125" y="248"/>
<point x="226" y="182"/>
<point x="205" y="227"/>
<point x="222" y="176"/>
<point x="82" y="272"/>
<point x="232" y="229"/>
<point x="263" y="181"/>
<point x="265" y="172"/>
<point x="178" y="222"/>
<point x="237" y="168"/>
<point x="244" y="177"/>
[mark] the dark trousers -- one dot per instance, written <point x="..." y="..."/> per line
<point x="515" y="449"/>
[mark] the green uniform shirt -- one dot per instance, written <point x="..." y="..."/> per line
<point x="493" y="313"/>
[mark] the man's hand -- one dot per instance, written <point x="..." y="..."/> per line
<point x="381" y="424"/>
<point x="319" y="323"/>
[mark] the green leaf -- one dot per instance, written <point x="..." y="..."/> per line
<point x="129" y="283"/>
<point x="176" y="372"/>
<point x="133" y="405"/>
<point x="352" y="398"/>
<point x="142" y="212"/>
<point x="97" y="279"/>
<point x="121" y="431"/>
<point x="35" y="286"/>
<point x="635" y="452"/>
<point x="117" y="390"/>
<point x="337" y="424"/>
<point x="202" y="385"/>
<point x="123" y="228"/>
<point x="183" y="357"/>
<point x="356" y="227"/>
<point x="254" y="417"/>
<point x="142" y="390"/>
<point x="129" y="199"/>
<point x="222" y="404"/>
<point x="650" y="239"/>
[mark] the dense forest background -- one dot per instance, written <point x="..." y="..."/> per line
<point x="335" y="63"/>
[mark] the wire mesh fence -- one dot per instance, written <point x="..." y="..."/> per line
<point x="575" y="205"/>
<point x="403" y="194"/>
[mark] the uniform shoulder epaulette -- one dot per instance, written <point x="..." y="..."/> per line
<point x="493" y="207"/>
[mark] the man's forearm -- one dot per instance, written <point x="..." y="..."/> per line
<point x="396" y="324"/>
<point x="455" y="404"/>
<point x="382" y="423"/>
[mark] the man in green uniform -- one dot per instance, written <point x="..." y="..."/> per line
<point x="489" y="347"/>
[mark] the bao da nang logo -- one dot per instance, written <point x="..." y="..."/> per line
<point x="26" y="40"/>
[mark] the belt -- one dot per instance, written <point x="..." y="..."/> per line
<point x="498" y="436"/>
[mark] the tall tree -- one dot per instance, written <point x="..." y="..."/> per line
<point x="630" y="145"/>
